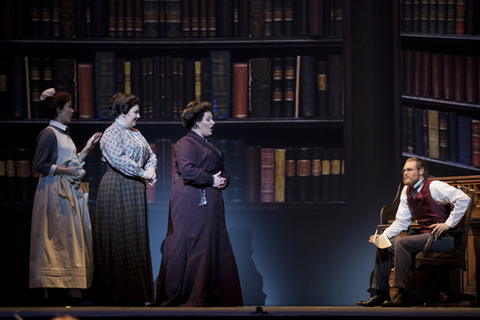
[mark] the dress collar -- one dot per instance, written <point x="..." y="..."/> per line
<point x="58" y="125"/>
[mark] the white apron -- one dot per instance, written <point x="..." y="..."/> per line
<point x="61" y="254"/>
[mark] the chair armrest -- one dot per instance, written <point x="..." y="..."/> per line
<point x="427" y="246"/>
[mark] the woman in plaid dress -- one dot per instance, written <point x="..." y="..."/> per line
<point x="123" y="267"/>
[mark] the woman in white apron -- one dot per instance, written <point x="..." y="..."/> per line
<point x="61" y="257"/>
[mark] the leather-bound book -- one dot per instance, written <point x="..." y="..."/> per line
<point x="326" y="175"/>
<point x="267" y="175"/>
<point x="425" y="134"/>
<point x="409" y="14"/>
<point x="221" y="83"/>
<point x="257" y="18"/>
<point x="188" y="81"/>
<point x="408" y="73"/>
<point x="308" y="86"/>
<point x="450" y="27"/>
<point x="121" y="19"/>
<point x="471" y="79"/>
<point x="186" y="18"/>
<point x="414" y="7"/>
<point x="105" y="82"/>
<point x="35" y="88"/>
<point x="203" y="18"/>
<point x="437" y="80"/>
<point x="338" y="24"/>
<point x="138" y="19"/>
<point x="144" y="96"/>
<point x="465" y="140"/>
<point x="316" y="173"/>
<point x="267" y="18"/>
<point x="424" y="15"/>
<point x="447" y="77"/>
<point x="181" y="87"/>
<point x="194" y="19"/>
<point x="136" y="77"/>
<point x="288" y="18"/>
<point x="252" y="173"/>
<point x="417" y="131"/>
<point x="277" y="87"/>
<point x="19" y="92"/>
<point x="47" y="74"/>
<point x="198" y="80"/>
<point x="322" y="93"/>
<point x="206" y="94"/>
<point x="35" y="13"/>
<point x="174" y="18"/>
<point x="289" y="73"/>
<point x="5" y="93"/>
<point x="234" y="163"/>
<point x="471" y="14"/>
<point x="278" y="18"/>
<point x="88" y="18"/>
<point x="460" y="17"/>
<point x="10" y="176"/>
<point x="426" y="75"/>
<point x="476" y="142"/>
<point x="212" y="18"/>
<point x="280" y="175"/>
<point x="151" y="113"/>
<point x="304" y="175"/>
<point x="433" y="134"/>
<point x="46" y="18"/>
<point x="260" y="88"/>
<point x="169" y="87"/>
<point x="316" y="17"/>
<point x="240" y="90"/>
<point x="417" y="73"/>
<point x="335" y="85"/>
<point x="302" y="25"/>
<point x="175" y="88"/>
<point x="459" y="78"/>
<point x="150" y="18"/>
<point x="453" y="136"/>
<point x="66" y="77"/>
<point x="162" y="18"/>
<point x="290" y="174"/>
<point x="235" y="28"/>
<point x="129" y="18"/>
<point x="336" y="178"/>
<point x="100" y="18"/>
<point x="157" y="113"/>
<point x="85" y="91"/>
<point x="67" y="18"/>
<point x="243" y="18"/>
<point x="443" y="135"/>
<point x="128" y="77"/>
<point x="441" y="16"/>
<point x="432" y="17"/>
<point x="162" y="88"/>
<point x="113" y="18"/>
<point x="224" y="18"/>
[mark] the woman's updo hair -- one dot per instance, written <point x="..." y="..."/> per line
<point x="194" y="113"/>
<point x="58" y="100"/>
<point x="121" y="103"/>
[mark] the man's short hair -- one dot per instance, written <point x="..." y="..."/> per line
<point x="421" y="164"/>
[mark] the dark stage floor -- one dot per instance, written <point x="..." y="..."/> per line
<point x="239" y="312"/>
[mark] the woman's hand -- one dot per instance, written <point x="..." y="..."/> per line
<point x="150" y="174"/>
<point x="93" y="141"/>
<point x="71" y="171"/>
<point x="219" y="182"/>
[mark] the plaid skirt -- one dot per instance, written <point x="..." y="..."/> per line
<point x="121" y="243"/>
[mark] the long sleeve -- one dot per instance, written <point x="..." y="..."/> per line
<point x="443" y="193"/>
<point x="45" y="153"/>
<point x="403" y="217"/>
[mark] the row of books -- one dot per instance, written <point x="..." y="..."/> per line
<point x="446" y="136"/>
<point x="302" y="86"/>
<point x="439" y="16"/>
<point x="257" y="174"/>
<point x="172" y="18"/>
<point x="441" y="76"/>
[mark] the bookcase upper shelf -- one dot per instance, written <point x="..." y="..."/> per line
<point x="446" y="163"/>
<point x="442" y="103"/>
<point x="439" y="37"/>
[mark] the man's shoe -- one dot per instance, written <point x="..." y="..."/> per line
<point x="401" y="299"/>
<point x="376" y="300"/>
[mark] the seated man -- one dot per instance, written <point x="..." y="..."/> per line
<point x="425" y="201"/>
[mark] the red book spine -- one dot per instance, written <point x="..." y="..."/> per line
<point x="476" y="143"/>
<point x="85" y="91"/>
<point x="459" y="78"/>
<point x="417" y="72"/>
<point x="460" y="17"/>
<point x="437" y="83"/>
<point x="267" y="174"/>
<point x="447" y="77"/>
<point x="471" y="79"/>
<point x="240" y="90"/>
<point x="426" y="80"/>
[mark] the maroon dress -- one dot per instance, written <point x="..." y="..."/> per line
<point x="198" y="268"/>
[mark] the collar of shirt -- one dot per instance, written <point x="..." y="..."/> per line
<point x="58" y="125"/>
<point x="419" y="184"/>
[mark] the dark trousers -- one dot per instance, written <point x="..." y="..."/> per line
<point x="402" y="250"/>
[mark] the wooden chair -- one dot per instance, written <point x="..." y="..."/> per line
<point x="438" y="262"/>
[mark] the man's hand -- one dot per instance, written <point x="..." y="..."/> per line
<point x="438" y="229"/>
<point x="374" y="237"/>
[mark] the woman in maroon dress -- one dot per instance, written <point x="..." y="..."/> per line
<point x="198" y="268"/>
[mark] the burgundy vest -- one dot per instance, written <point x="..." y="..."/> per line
<point x="424" y="209"/>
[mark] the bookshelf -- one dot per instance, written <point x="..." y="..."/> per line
<point x="440" y="75"/>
